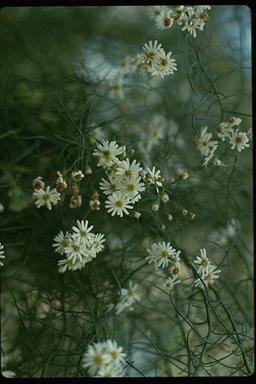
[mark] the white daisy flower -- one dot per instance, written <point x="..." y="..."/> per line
<point x="238" y="140"/>
<point x="202" y="261"/>
<point x="2" y="255"/>
<point x="118" y="203"/>
<point x="208" y="277"/>
<point x="61" y="242"/>
<point x="170" y="282"/>
<point x="82" y="230"/>
<point x="129" y="170"/>
<point x="165" y="19"/>
<point x="46" y="197"/>
<point x="223" y="130"/>
<point x="107" y="153"/>
<point x="98" y="241"/>
<point x="162" y="254"/>
<point x="163" y="64"/>
<point x="95" y="358"/>
<point x="111" y="185"/>
<point x="205" y="145"/>
<point x="66" y="264"/>
<point x="116" y="353"/>
<point x="151" y="51"/>
<point x="76" y="250"/>
<point x="128" y="297"/>
<point x="111" y="370"/>
<point x="155" y="178"/>
<point x="132" y="187"/>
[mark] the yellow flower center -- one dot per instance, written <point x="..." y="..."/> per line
<point x="164" y="254"/>
<point x="115" y="355"/>
<point x="128" y="173"/>
<point x="76" y="248"/>
<point x="119" y="204"/>
<point x="107" y="155"/>
<point x="130" y="187"/>
<point x="163" y="63"/>
<point x="46" y="197"/>
<point x="98" y="359"/>
<point x="83" y="233"/>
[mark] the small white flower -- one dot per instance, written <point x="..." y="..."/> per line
<point x="238" y="140"/>
<point x="234" y="121"/>
<point x="107" y="153"/>
<point x="128" y="297"/>
<point x="208" y="277"/>
<point x="205" y="145"/>
<point x="118" y="203"/>
<point x="61" y="242"/>
<point x="129" y="170"/>
<point x="38" y="183"/>
<point x="170" y="282"/>
<point x="46" y="197"/>
<point x="202" y="261"/>
<point x="82" y="230"/>
<point x="132" y="187"/>
<point x="151" y="50"/>
<point x="111" y="185"/>
<point x="162" y="254"/>
<point x="165" y="19"/>
<point x="111" y="370"/>
<point x="97" y="242"/>
<point x="2" y="255"/>
<point x="223" y="131"/>
<point x="155" y="178"/>
<point x="66" y="264"/>
<point x="76" y="250"/>
<point x="163" y="64"/>
<point x="116" y="353"/>
<point x="95" y="358"/>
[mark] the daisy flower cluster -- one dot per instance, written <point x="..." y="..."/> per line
<point x="49" y="197"/>
<point x="104" y="359"/>
<point x="225" y="131"/>
<point x="79" y="246"/>
<point x="163" y="255"/>
<point x="207" y="271"/>
<point x="156" y="61"/>
<point x="128" y="297"/>
<point x="2" y="255"/>
<point x="123" y="182"/>
<point x="190" y="18"/>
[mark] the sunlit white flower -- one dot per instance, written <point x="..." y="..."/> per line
<point x="8" y="374"/>
<point x="202" y="261"/>
<point x="238" y="140"/>
<point x="95" y="358"/>
<point x="163" y="64"/>
<point x="205" y="145"/>
<point x="154" y="178"/>
<point x="2" y="255"/>
<point x="151" y="50"/>
<point x="128" y="297"/>
<point x="116" y="353"/>
<point x="46" y="197"/>
<point x="107" y="153"/>
<point x="165" y="19"/>
<point x="234" y="121"/>
<point x="129" y="170"/>
<point x="61" y="242"/>
<point x="76" y="250"/>
<point x="162" y="254"/>
<point x="95" y="244"/>
<point x="67" y="264"/>
<point x="82" y="230"/>
<point x="170" y="282"/>
<point x="111" y="185"/>
<point x="118" y="203"/>
<point x="223" y="130"/>
<point x="111" y="370"/>
<point x="208" y="277"/>
<point x="132" y="187"/>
